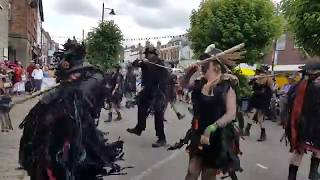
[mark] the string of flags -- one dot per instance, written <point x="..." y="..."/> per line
<point x="155" y="38"/>
<point x="134" y="39"/>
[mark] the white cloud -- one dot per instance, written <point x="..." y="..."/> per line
<point x="136" y="18"/>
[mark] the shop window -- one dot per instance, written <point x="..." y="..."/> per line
<point x="281" y="43"/>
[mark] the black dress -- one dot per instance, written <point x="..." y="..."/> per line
<point x="261" y="97"/>
<point x="222" y="151"/>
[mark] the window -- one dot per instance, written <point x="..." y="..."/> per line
<point x="9" y="11"/>
<point x="276" y="55"/>
<point x="281" y="43"/>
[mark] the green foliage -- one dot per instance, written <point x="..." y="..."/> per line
<point x="244" y="89"/>
<point x="227" y="23"/>
<point x="303" y="18"/>
<point x="104" y="45"/>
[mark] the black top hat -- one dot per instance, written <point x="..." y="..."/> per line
<point x="150" y="50"/>
<point x="312" y="67"/>
<point x="262" y="69"/>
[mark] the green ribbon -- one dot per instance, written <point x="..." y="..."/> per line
<point x="212" y="128"/>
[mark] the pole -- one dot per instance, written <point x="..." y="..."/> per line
<point x="41" y="34"/>
<point x="275" y="55"/>
<point x="102" y="12"/>
<point x="82" y="35"/>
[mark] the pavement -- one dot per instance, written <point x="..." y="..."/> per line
<point x="260" y="161"/>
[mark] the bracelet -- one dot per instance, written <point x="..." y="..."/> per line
<point x="212" y="128"/>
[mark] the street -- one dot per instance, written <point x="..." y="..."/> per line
<point x="263" y="161"/>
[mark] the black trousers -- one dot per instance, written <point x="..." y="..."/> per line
<point x="143" y="113"/>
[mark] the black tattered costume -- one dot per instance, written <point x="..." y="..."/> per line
<point x="60" y="139"/>
<point x="303" y="124"/>
<point x="224" y="145"/>
<point x="153" y="98"/>
<point x="223" y="149"/>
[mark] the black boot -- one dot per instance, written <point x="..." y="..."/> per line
<point x="263" y="135"/>
<point x="180" y="116"/>
<point x="109" y="117"/>
<point x="293" y="172"/>
<point x="127" y="105"/>
<point x="119" y="116"/>
<point x="247" y="131"/>
<point x="160" y="142"/>
<point x="314" y="174"/>
<point x="190" y="110"/>
<point x="135" y="131"/>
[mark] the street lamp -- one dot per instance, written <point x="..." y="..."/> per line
<point x="111" y="11"/>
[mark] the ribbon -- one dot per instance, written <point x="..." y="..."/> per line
<point x="296" y="112"/>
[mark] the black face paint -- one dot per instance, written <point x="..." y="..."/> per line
<point x="314" y="76"/>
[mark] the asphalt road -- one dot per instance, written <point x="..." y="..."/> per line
<point x="260" y="161"/>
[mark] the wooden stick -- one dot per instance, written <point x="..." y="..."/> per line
<point x="269" y="75"/>
<point x="34" y="95"/>
<point x="228" y="51"/>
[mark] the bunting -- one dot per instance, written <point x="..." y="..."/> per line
<point x="134" y="39"/>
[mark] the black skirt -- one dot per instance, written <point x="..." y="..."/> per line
<point x="223" y="151"/>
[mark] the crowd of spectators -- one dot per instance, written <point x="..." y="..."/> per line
<point x="16" y="79"/>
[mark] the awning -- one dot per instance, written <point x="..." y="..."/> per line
<point x="287" y="68"/>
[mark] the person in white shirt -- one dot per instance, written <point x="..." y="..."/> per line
<point x="37" y="75"/>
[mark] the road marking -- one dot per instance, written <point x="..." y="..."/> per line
<point x="262" y="166"/>
<point x="155" y="166"/>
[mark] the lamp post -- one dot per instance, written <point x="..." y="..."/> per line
<point x="111" y="11"/>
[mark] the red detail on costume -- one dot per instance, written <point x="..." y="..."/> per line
<point x="196" y="124"/>
<point x="66" y="148"/>
<point x="50" y="174"/>
<point x="296" y="112"/>
<point x="311" y="148"/>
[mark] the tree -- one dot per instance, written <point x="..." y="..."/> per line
<point x="227" y="23"/>
<point x="303" y="17"/>
<point x="104" y="45"/>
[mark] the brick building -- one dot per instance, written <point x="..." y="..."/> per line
<point x="287" y="53"/>
<point x="23" y="26"/>
<point x="4" y="27"/>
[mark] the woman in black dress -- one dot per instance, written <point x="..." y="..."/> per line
<point x="259" y="102"/>
<point x="213" y="143"/>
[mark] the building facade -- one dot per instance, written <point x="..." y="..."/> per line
<point x="45" y="47"/>
<point x="4" y="29"/>
<point x="23" y="30"/>
<point x="133" y="52"/>
<point x="176" y="51"/>
<point x="287" y="53"/>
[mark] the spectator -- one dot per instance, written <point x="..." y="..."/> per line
<point x="48" y="80"/>
<point x="19" y="84"/>
<point x="30" y="69"/>
<point x="5" y="121"/>
<point x="30" y="83"/>
<point x="283" y="101"/>
<point x="37" y="75"/>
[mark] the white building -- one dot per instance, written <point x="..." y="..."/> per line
<point x="132" y="53"/>
<point x="177" y="50"/>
